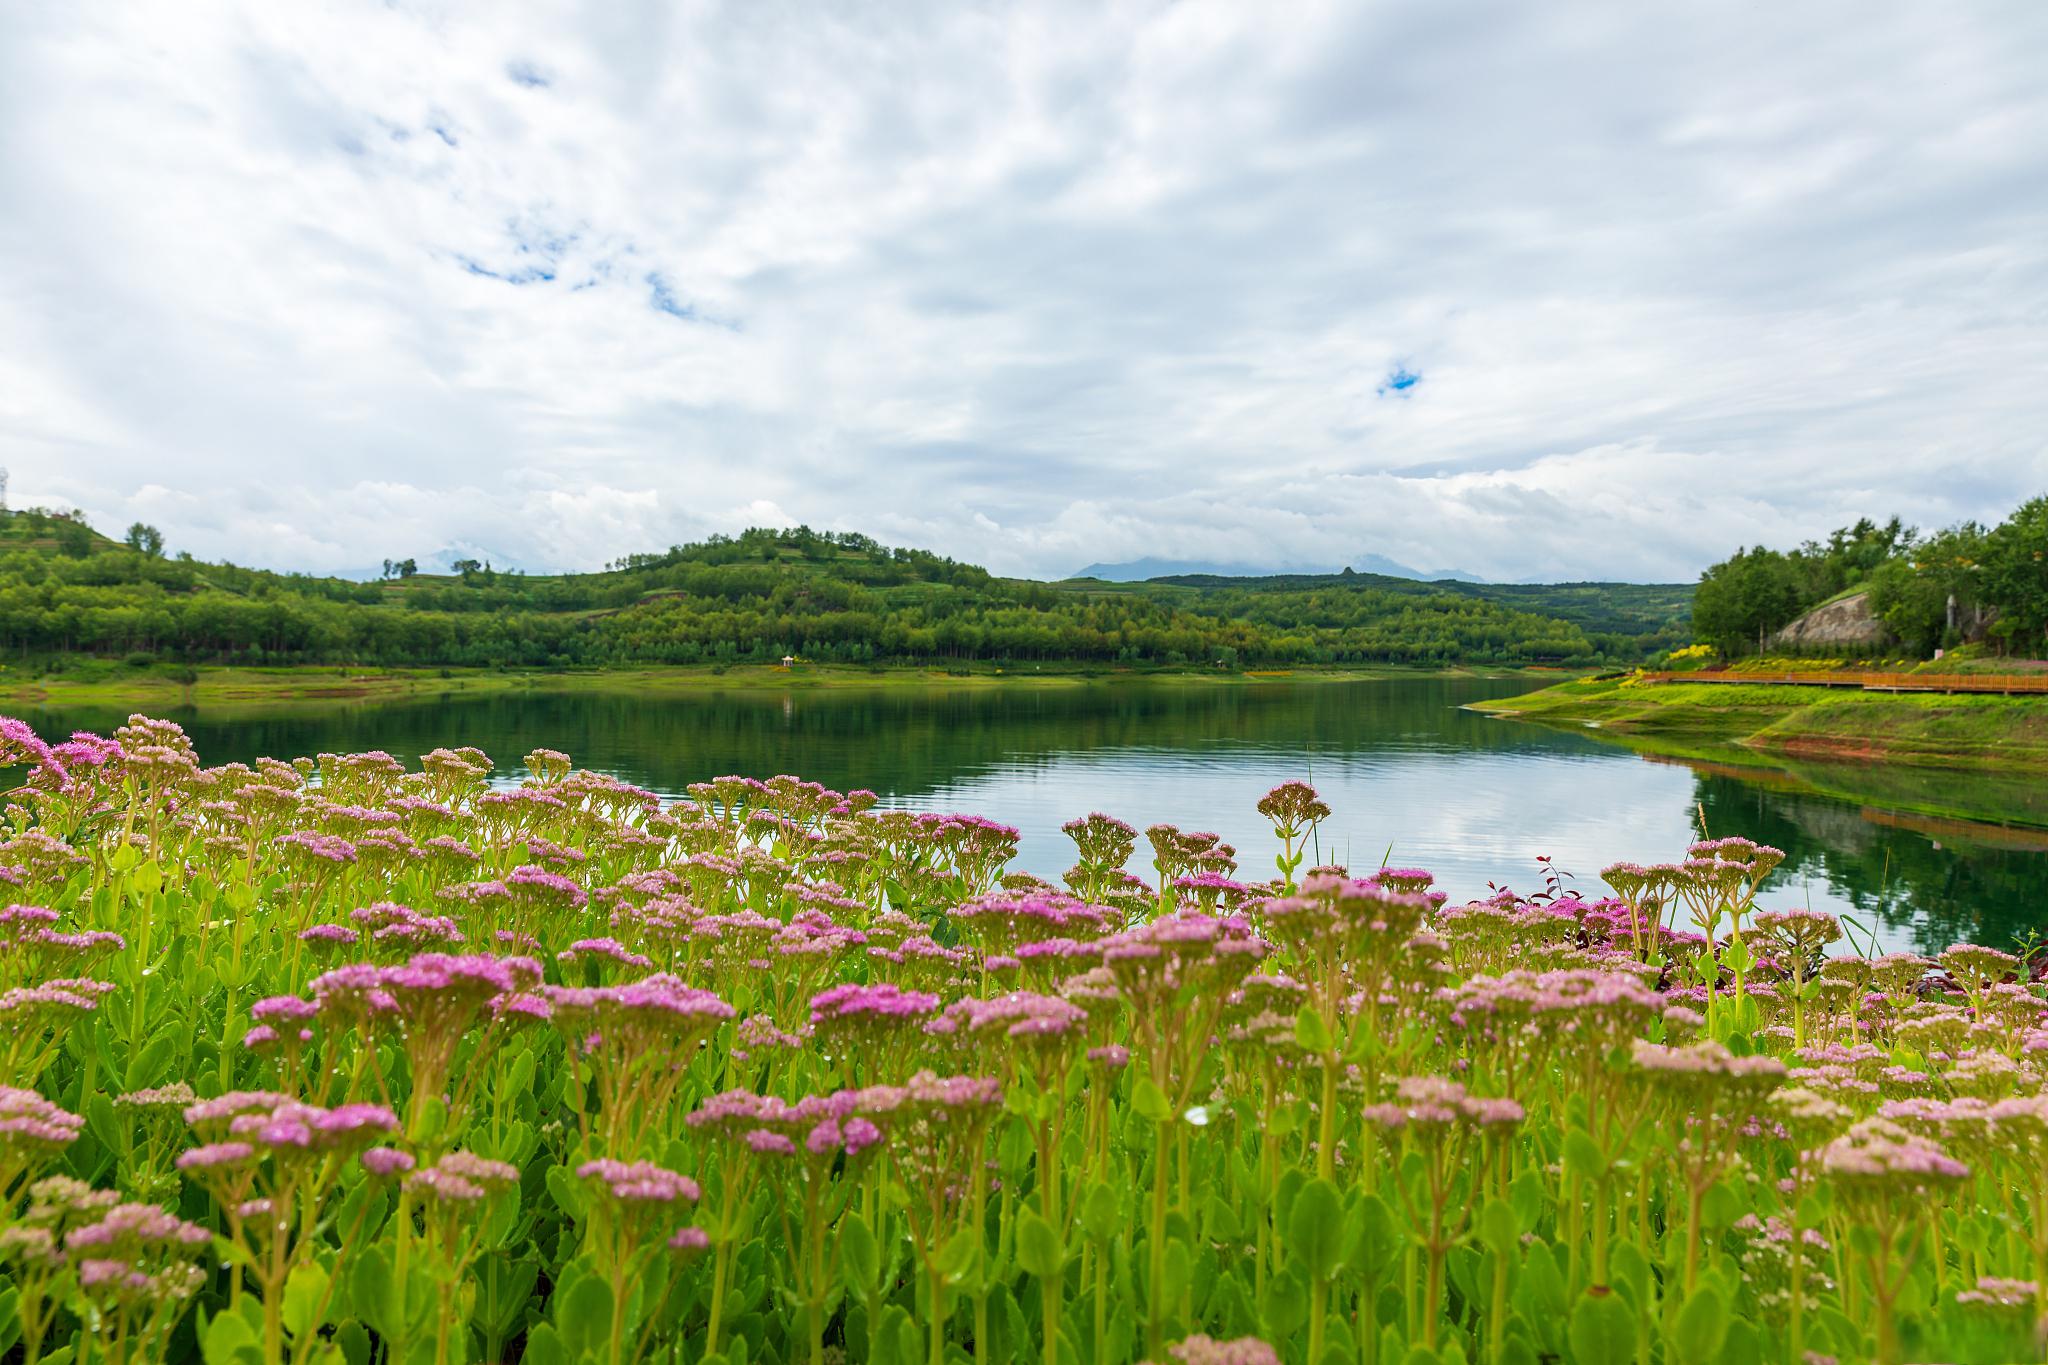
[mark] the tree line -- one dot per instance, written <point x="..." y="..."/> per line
<point x="1931" y="590"/>
<point x="761" y="595"/>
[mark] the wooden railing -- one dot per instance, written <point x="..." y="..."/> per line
<point x="2007" y="684"/>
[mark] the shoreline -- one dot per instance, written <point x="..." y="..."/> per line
<point x="1778" y="721"/>
<point x="320" y="685"/>
<point x="1898" y="758"/>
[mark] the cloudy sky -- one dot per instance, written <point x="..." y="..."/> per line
<point x="1565" y="289"/>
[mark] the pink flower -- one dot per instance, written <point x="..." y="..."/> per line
<point x="879" y="1003"/>
<point x="27" y="1117"/>
<point x="1205" y="1350"/>
<point x="215" y="1154"/>
<point x="386" y="1161"/>
<point x="18" y="740"/>
<point x="327" y="848"/>
<point x="639" y="1182"/>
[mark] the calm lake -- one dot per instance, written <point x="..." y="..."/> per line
<point x="1411" y="777"/>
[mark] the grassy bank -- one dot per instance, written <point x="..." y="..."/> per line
<point x="1780" y="721"/>
<point x="291" y="686"/>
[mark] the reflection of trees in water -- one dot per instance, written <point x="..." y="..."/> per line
<point x="1987" y="796"/>
<point x="897" y="740"/>
<point x="1944" y="892"/>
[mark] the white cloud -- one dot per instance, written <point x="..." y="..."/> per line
<point x="309" y="285"/>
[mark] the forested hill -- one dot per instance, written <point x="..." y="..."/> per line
<point x="64" y="590"/>
<point x="1626" y="618"/>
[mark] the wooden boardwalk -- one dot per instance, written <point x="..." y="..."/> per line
<point x="2005" y="684"/>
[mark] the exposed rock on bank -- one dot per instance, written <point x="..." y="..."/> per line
<point x="1844" y="624"/>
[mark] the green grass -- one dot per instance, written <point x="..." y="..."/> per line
<point x="1681" y="719"/>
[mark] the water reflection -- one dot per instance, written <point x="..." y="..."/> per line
<point x="1930" y="857"/>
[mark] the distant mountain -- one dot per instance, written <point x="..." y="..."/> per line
<point x="1138" y="570"/>
<point x="1380" y="564"/>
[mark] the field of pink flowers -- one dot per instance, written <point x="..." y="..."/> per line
<point x="326" y="1059"/>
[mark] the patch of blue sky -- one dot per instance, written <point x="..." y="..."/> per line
<point x="532" y="274"/>
<point x="662" y="296"/>
<point x="534" y="239"/>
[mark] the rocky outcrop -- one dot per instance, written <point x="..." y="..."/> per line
<point x="1845" y="623"/>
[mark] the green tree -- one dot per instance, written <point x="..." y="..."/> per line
<point x="1925" y="595"/>
<point x="73" y="535"/>
<point x="2015" y="576"/>
<point x="1849" y="557"/>
<point x="146" y="539"/>
<point x="1745" y="597"/>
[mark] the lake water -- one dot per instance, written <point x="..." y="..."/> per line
<point x="1410" y="776"/>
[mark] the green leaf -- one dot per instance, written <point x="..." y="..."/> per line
<point x="1582" y="1155"/>
<point x="373" y="1294"/>
<point x="1539" y="1292"/>
<point x="1630" y="1270"/>
<point x="1012" y="1334"/>
<point x="1286" y="1305"/>
<point x="1038" y="1246"/>
<point x="1373" y="1238"/>
<point x="503" y="1287"/>
<point x="860" y="1260"/>
<point x="106" y="1125"/>
<point x="1812" y="1211"/>
<point x="568" y="1192"/>
<point x="1722" y="1207"/>
<point x="956" y="1258"/>
<point x="1602" y="1330"/>
<point x="1312" y="1034"/>
<point x="1220" y="1220"/>
<point x="1099" y="1211"/>
<point x="1179" y="1269"/>
<point x="1364" y="1045"/>
<point x="898" y="1338"/>
<point x="1013" y="1145"/>
<point x="544" y="1347"/>
<point x="1737" y="956"/>
<point x="1286" y="1119"/>
<point x="354" y="1343"/>
<point x="585" y="1319"/>
<point x="429" y="1123"/>
<point x="1315" y="1229"/>
<point x="1499" y="1230"/>
<point x="1744" y="1345"/>
<point x="1149" y="1101"/>
<point x="229" y="1340"/>
<point x="1527" y="1195"/>
<point x="1700" y="1328"/>
<point x="305" y="1298"/>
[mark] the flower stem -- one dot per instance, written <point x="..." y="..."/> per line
<point x="1155" y="1307"/>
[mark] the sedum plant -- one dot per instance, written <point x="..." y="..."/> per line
<point x="344" y="1059"/>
